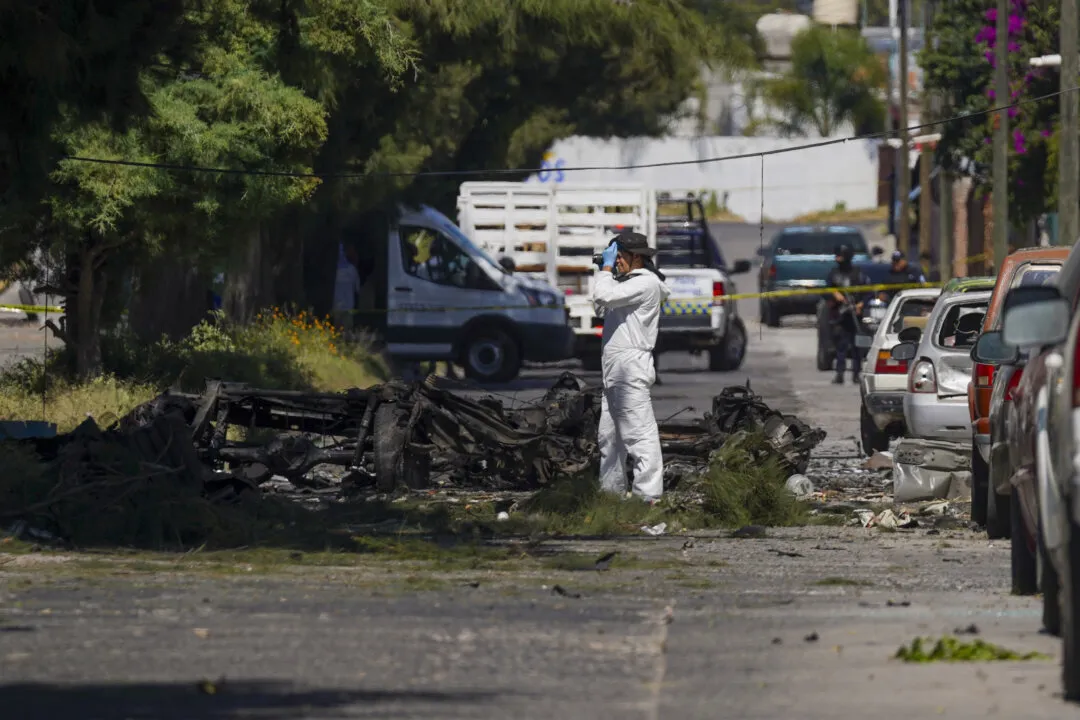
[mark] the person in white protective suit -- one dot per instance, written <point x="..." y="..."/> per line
<point x="631" y="305"/>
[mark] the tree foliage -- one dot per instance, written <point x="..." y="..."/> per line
<point x="835" y="79"/>
<point x="958" y="65"/>
<point x="283" y="90"/>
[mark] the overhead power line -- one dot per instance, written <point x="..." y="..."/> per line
<point x="530" y="171"/>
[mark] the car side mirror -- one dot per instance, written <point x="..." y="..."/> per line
<point x="904" y="351"/>
<point x="741" y="266"/>
<point x="991" y="349"/>
<point x="1036" y="324"/>
<point x="910" y="335"/>
<point x="877" y="251"/>
<point x="761" y="252"/>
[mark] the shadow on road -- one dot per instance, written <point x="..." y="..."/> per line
<point x="268" y="700"/>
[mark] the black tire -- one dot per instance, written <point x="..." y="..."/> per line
<point x="873" y="440"/>
<point x="1050" y="587"/>
<point x="394" y="465"/>
<point x="998" y="514"/>
<point x="980" y="484"/>
<point x="491" y="355"/>
<point x="592" y="362"/>
<point x="729" y="355"/>
<point x="1025" y="570"/>
<point x="825" y="358"/>
<point x="1070" y="612"/>
<point x="769" y="316"/>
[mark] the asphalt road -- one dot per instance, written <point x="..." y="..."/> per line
<point x="801" y="624"/>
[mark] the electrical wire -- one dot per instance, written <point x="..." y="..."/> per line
<point x="530" y="171"/>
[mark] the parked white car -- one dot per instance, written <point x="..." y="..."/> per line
<point x="883" y="383"/>
<point x="935" y="405"/>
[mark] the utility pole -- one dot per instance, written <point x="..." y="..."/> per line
<point x="903" y="172"/>
<point x="1068" y="155"/>
<point x="1000" y="198"/>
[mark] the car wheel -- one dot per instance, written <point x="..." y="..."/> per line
<point x="1070" y="612"/>
<point x="980" y="484"/>
<point x="998" y="514"/>
<point x="1025" y="577"/>
<point x="395" y="465"/>
<point x="873" y="440"/>
<point x="491" y="355"/>
<point x="769" y="316"/>
<point x="1050" y="587"/>
<point x="728" y="356"/>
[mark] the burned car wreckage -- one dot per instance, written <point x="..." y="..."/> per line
<point x="412" y="436"/>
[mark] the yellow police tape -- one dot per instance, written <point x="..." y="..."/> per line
<point x="683" y="302"/>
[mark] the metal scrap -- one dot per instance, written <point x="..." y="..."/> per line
<point x="413" y="436"/>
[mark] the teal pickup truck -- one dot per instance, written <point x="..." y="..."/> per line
<point x="800" y="258"/>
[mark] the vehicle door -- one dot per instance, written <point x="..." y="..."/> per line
<point x="436" y="287"/>
<point x="953" y="338"/>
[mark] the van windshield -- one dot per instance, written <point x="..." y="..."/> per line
<point x="468" y="246"/>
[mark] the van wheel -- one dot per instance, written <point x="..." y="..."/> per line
<point x="491" y="355"/>
<point x="980" y="485"/>
<point x="728" y="355"/>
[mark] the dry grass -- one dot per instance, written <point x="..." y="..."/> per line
<point x="69" y="405"/>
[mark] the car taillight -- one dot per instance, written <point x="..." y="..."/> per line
<point x="922" y="378"/>
<point x="717" y="292"/>
<point x="886" y="365"/>
<point x="772" y="272"/>
<point x="1014" y="381"/>
<point x="984" y="375"/>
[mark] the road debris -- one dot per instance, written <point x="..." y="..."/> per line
<point x="604" y="561"/>
<point x="931" y="470"/>
<point x="750" y="531"/>
<point x="799" y="486"/>
<point x="655" y="530"/>
<point x="563" y="592"/>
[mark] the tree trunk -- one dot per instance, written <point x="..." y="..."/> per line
<point x="170" y="299"/>
<point x="88" y="302"/>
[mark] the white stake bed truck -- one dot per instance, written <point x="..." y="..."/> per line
<point x="552" y="232"/>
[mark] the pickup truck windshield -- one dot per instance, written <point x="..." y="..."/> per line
<point x="815" y="243"/>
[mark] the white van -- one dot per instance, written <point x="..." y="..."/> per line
<point x="434" y="295"/>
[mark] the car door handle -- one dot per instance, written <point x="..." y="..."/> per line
<point x="403" y="289"/>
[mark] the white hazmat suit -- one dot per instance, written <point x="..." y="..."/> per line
<point x="627" y="424"/>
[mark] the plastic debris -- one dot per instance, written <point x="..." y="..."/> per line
<point x="655" y="530"/>
<point x="503" y="516"/>
<point x="800" y="486"/>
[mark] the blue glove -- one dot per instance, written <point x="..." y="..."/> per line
<point x="607" y="259"/>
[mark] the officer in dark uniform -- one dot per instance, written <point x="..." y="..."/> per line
<point x="844" y="311"/>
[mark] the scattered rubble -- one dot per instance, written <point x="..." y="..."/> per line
<point x="931" y="470"/>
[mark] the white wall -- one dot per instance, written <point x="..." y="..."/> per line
<point x="797" y="182"/>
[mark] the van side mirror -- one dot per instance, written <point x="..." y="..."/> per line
<point x="910" y="335"/>
<point x="1036" y="324"/>
<point x="904" y="351"/>
<point x="741" y="266"/>
<point x="761" y="252"/>
<point x="877" y="251"/>
<point x="991" y="349"/>
<point x="508" y="263"/>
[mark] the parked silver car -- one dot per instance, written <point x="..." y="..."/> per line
<point x="883" y="383"/>
<point x="939" y="368"/>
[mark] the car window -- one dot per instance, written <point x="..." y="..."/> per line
<point x="817" y="243"/>
<point x="1031" y="274"/>
<point x="428" y="255"/>
<point x="961" y="325"/>
<point x="911" y="307"/>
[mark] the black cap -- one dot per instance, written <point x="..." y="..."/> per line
<point x="634" y="243"/>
